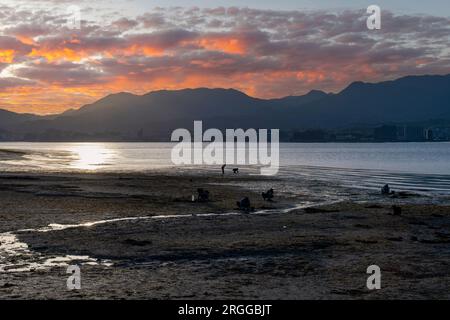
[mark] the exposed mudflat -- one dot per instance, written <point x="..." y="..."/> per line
<point x="141" y="237"/>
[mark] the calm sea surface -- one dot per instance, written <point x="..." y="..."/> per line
<point x="407" y="166"/>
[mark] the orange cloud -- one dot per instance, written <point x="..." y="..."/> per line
<point x="7" y="56"/>
<point x="228" y="45"/>
<point x="58" y="54"/>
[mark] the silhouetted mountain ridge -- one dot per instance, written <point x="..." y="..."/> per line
<point x="8" y="118"/>
<point x="156" y="114"/>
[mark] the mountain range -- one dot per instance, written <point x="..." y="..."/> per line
<point x="153" y="116"/>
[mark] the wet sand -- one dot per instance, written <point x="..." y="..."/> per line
<point x="177" y="249"/>
<point x="11" y="154"/>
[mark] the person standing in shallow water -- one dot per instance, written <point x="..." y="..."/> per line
<point x="223" y="169"/>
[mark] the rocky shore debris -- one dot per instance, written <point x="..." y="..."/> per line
<point x="245" y="205"/>
<point x="268" y="196"/>
<point x="203" y="195"/>
<point x="386" y="190"/>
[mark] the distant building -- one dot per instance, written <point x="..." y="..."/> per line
<point x="429" y="134"/>
<point x="441" y="133"/>
<point x="385" y="133"/>
<point x="411" y="133"/>
<point x="415" y="133"/>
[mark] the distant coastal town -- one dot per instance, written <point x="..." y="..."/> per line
<point x="383" y="133"/>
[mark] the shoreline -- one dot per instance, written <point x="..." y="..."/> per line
<point x="6" y="154"/>
<point x="174" y="142"/>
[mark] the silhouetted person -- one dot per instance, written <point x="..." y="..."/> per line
<point x="268" y="195"/>
<point x="244" y="204"/>
<point x="236" y="170"/>
<point x="203" y="195"/>
<point x="223" y="169"/>
<point x="385" y="190"/>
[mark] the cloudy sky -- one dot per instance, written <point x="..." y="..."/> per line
<point x="47" y="65"/>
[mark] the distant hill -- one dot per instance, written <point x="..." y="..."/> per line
<point x="155" y="115"/>
<point x="8" y="119"/>
<point x="408" y="99"/>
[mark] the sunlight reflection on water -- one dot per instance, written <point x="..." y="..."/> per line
<point x="90" y="156"/>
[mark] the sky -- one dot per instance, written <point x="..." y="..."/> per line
<point x="433" y="7"/>
<point x="267" y="49"/>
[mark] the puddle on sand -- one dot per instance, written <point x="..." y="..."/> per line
<point x="15" y="256"/>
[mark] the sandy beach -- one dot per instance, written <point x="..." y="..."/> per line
<point x="140" y="236"/>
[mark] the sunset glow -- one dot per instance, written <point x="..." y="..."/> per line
<point x="47" y="67"/>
